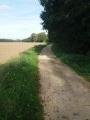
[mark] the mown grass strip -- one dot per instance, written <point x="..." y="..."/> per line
<point x="80" y="63"/>
<point x="19" y="87"/>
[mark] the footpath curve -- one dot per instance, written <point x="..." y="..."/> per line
<point x="64" y="94"/>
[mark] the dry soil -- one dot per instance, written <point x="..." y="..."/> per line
<point x="11" y="49"/>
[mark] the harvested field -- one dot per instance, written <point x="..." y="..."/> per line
<point x="10" y="49"/>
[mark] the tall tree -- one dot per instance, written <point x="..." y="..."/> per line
<point x="68" y="22"/>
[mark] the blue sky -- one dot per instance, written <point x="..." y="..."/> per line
<point x="19" y="18"/>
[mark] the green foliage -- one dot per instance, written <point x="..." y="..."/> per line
<point x="80" y="63"/>
<point x="10" y="40"/>
<point x="6" y="40"/>
<point x="68" y="23"/>
<point x="40" y="37"/>
<point x="33" y="37"/>
<point x="19" y="87"/>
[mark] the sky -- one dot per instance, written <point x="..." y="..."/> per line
<point x="19" y="18"/>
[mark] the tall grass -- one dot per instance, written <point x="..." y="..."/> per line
<point x="80" y="63"/>
<point x="19" y="87"/>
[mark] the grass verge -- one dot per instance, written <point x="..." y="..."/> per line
<point x="19" y="87"/>
<point x="80" y="63"/>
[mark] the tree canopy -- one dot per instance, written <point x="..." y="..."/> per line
<point x="68" y="23"/>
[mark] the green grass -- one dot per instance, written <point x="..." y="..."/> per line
<point x="80" y="63"/>
<point x="19" y="87"/>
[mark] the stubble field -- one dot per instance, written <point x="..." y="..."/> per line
<point x="8" y="49"/>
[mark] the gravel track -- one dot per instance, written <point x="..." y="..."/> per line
<point x="64" y="94"/>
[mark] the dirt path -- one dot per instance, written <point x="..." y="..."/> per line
<point x="64" y="94"/>
<point x="11" y="49"/>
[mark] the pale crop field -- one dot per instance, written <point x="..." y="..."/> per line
<point x="9" y="50"/>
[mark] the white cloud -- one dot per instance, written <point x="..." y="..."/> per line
<point x="4" y="7"/>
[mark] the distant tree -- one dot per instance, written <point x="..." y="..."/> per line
<point x="26" y="39"/>
<point x="41" y="37"/>
<point x="33" y="37"/>
<point x="6" y="40"/>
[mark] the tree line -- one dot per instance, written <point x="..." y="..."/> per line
<point x="68" y="23"/>
<point x="10" y="40"/>
<point x="6" y="40"/>
<point x="40" y="37"/>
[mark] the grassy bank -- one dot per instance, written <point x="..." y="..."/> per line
<point x="80" y="63"/>
<point x="19" y="87"/>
